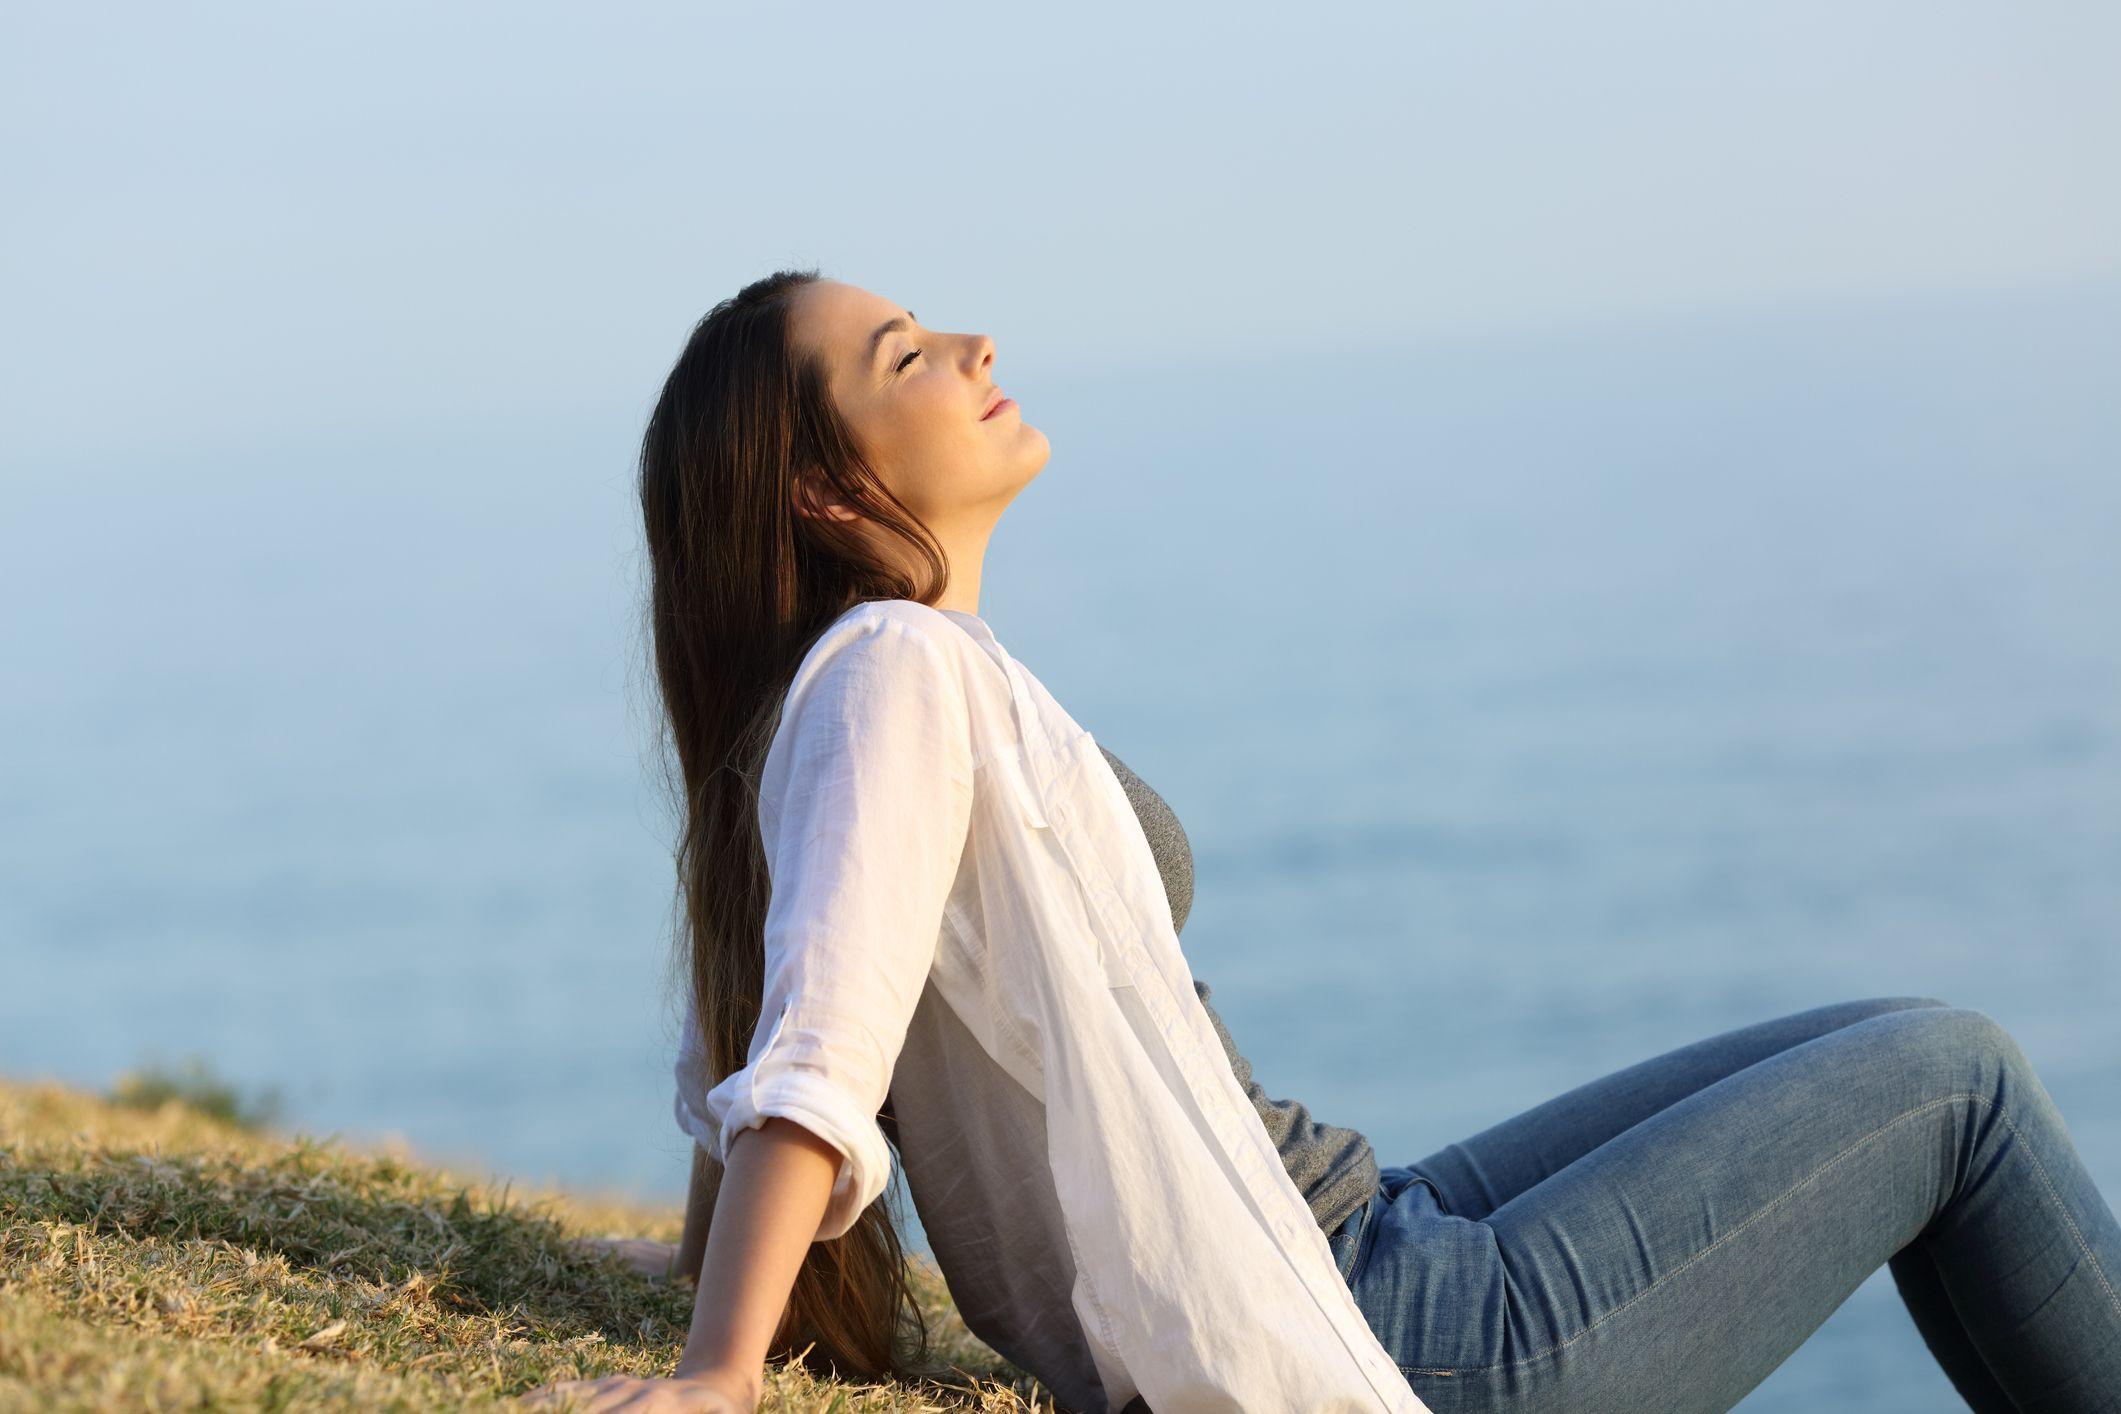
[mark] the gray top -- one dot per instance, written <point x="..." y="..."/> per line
<point x="1333" y="1167"/>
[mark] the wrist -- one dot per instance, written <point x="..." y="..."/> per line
<point x="742" y="1385"/>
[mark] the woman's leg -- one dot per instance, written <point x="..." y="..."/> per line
<point x="1476" y="1176"/>
<point x="1678" y="1263"/>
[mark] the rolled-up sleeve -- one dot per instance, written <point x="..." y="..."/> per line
<point x="864" y="806"/>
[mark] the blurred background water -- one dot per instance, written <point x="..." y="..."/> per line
<point x="1603" y="523"/>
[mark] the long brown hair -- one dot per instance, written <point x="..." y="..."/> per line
<point x="740" y="586"/>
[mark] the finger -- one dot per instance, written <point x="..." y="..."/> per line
<point x="554" y="1395"/>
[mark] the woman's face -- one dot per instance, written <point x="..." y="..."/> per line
<point x="913" y="398"/>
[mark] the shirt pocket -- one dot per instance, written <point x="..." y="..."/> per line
<point x="1020" y="787"/>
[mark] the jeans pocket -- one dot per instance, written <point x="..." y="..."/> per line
<point x="1400" y="1177"/>
<point x="1351" y="1240"/>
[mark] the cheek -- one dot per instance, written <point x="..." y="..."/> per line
<point x="917" y="420"/>
<point x="934" y="453"/>
<point x="950" y="438"/>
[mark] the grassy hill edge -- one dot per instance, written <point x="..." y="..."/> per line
<point x="160" y="1248"/>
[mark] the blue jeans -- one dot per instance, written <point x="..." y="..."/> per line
<point x="1663" y="1238"/>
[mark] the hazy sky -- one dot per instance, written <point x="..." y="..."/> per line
<point x="235" y="225"/>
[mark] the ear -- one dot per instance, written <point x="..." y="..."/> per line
<point x="813" y="498"/>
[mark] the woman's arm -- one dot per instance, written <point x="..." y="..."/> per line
<point x="771" y="1204"/>
<point x="766" y="1215"/>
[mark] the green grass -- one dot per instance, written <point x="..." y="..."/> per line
<point x="196" y="1085"/>
<point x="162" y="1248"/>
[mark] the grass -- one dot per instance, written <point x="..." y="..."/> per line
<point x="197" y="1086"/>
<point x="162" y="1247"/>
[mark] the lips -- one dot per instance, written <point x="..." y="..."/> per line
<point x="999" y="398"/>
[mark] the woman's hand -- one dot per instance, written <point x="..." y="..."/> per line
<point x="645" y="1255"/>
<point x="699" y="1394"/>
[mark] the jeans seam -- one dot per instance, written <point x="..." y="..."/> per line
<point x="1773" y="1204"/>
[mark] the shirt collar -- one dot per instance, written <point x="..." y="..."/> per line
<point x="974" y="625"/>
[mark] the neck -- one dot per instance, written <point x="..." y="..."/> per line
<point x="965" y="552"/>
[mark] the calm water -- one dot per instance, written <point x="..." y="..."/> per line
<point x="1611" y="691"/>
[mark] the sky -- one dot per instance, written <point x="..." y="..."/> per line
<point x="245" y="226"/>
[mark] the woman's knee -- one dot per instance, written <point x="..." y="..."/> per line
<point x="1977" y="1031"/>
<point x="1968" y="1046"/>
<point x="1885" y="1004"/>
<point x="1839" y="1014"/>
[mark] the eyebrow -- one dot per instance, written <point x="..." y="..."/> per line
<point x="876" y="339"/>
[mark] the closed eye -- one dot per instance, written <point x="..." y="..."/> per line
<point x="906" y="360"/>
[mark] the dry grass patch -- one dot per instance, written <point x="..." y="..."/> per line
<point x="156" y="1255"/>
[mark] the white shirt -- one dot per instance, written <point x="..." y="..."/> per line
<point x="957" y="875"/>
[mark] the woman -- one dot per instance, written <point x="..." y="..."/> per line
<point x="820" y="479"/>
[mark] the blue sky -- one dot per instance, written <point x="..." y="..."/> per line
<point x="243" y="224"/>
